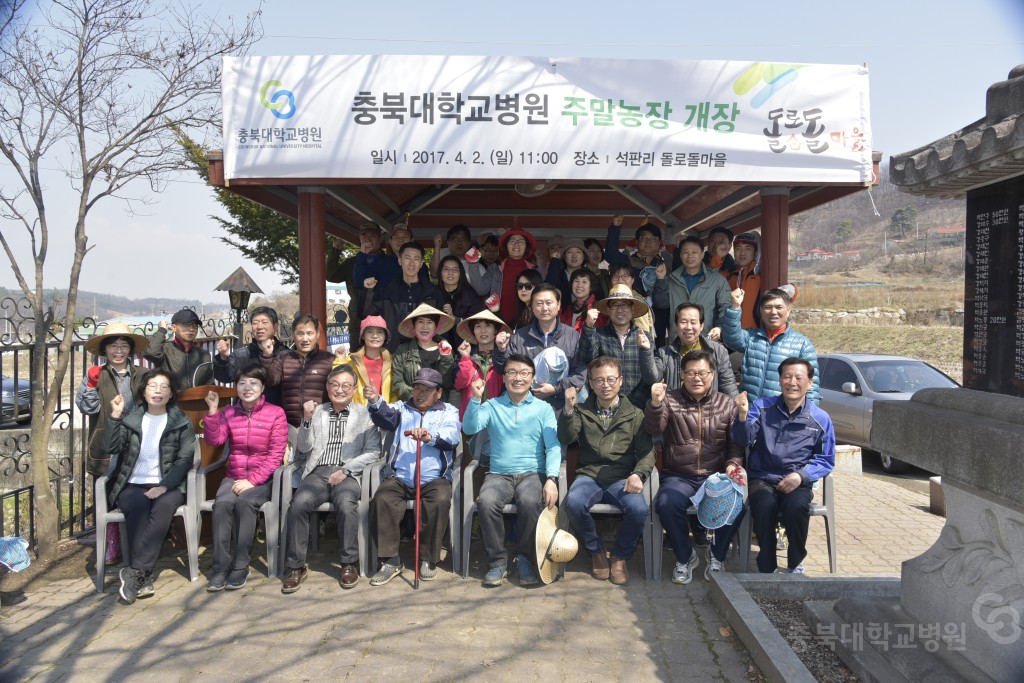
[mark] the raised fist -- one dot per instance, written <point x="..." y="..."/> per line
<point x="477" y="387"/>
<point x="212" y="399"/>
<point x="501" y="341"/>
<point x="163" y="325"/>
<point x="267" y="347"/>
<point x="743" y="403"/>
<point x="661" y="272"/>
<point x="370" y="282"/>
<point x="94" y="376"/>
<point x="338" y="243"/>
<point x="642" y="340"/>
<point x="737" y="297"/>
<point x="223" y="348"/>
<point x="592" y="317"/>
<point x="570" y="399"/>
<point x="493" y="303"/>
<point x="617" y="220"/>
<point x="472" y="255"/>
<point x="438" y="241"/>
<point x="658" y="390"/>
<point x="116" y="406"/>
<point x="554" y="251"/>
<point x="308" y="408"/>
<point x="370" y="394"/>
<point x="447" y="308"/>
<point x="465" y="349"/>
<point x="444" y="348"/>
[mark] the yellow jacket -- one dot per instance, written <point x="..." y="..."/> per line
<point x="355" y="360"/>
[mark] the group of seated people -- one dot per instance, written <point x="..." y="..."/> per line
<point x="538" y="366"/>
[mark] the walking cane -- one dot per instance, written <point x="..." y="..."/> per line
<point x="416" y="537"/>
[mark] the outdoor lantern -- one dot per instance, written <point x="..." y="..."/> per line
<point x="239" y="287"/>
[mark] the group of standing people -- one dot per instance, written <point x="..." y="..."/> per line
<point x="479" y="345"/>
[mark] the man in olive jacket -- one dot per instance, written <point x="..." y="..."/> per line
<point x="615" y="459"/>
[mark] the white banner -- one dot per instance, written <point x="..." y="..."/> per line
<point x="527" y="118"/>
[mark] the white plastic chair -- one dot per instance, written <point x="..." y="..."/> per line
<point x="104" y="516"/>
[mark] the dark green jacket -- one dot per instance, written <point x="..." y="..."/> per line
<point x="405" y="363"/>
<point x="177" y="449"/>
<point x="165" y="355"/>
<point x="612" y="454"/>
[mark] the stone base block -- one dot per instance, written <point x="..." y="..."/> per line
<point x="936" y="498"/>
<point x="848" y="460"/>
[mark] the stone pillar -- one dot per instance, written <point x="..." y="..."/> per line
<point x="312" y="264"/>
<point x="774" y="237"/>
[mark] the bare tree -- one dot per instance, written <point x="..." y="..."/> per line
<point x="95" y="88"/>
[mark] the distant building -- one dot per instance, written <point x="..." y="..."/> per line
<point x="815" y="255"/>
<point x="948" y="235"/>
<point x="851" y="254"/>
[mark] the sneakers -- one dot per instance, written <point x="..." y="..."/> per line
<point x="799" y="569"/>
<point x="131" y="581"/>
<point x="428" y="571"/>
<point x="146" y="590"/>
<point x="683" y="573"/>
<point x="714" y="565"/>
<point x="217" y="582"/>
<point x="237" y="578"/>
<point x="389" y="570"/>
<point x="494" y="575"/>
<point x="527" y="575"/>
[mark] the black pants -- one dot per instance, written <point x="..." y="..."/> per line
<point x="148" y="521"/>
<point x="234" y="519"/>
<point x="388" y="508"/>
<point x="766" y="506"/>
<point x="313" y="492"/>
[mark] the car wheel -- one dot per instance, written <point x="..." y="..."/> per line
<point x="893" y="465"/>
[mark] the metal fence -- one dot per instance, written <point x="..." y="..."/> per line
<point x="69" y="436"/>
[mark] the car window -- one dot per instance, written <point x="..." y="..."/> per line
<point x="906" y="376"/>
<point x="836" y="373"/>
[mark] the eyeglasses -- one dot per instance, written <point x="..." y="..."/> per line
<point x="158" y="387"/>
<point x="522" y="374"/>
<point x="524" y="285"/>
<point x="620" y="304"/>
<point x="693" y="374"/>
<point x="604" y="381"/>
<point x="341" y="387"/>
<point x="246" y="384"/>
<point x="647" y="238"/>
<point x="118" y="347"/>
<point x="450" y="271"/>
<point x="520" y="242"/>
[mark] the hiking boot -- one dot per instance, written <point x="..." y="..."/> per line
<point x="683" y="573"/>
<point x="389" y="570"/>
<point x="527" y="574"/>
<point x="146" y="588"/>
<point x="293" y="579"/>
<point x="599" y="568"/>
<point x="428" y="571"/>
<point x="217" y="582"/>
<point x="619" y="575"/>
<point x="714" y="565"/>
<point x="349" y="575"/>
<point x="237" y="578"/>
<point x="494" y="575"/>
<point x="131" y="581"/>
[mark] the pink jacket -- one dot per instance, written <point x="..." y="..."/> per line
<point x="469" y="370"/>
<point x="257" y="439"/>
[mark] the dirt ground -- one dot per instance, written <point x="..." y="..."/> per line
<point x="73" y="561"/>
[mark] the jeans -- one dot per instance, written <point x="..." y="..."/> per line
<point x="234" y="519"/>
<point x="672" y="502"/>
<point x="527" y="492"/>
<point x="147" y="521"/>
<point x="313" y="492"/>
<point x="766" y="506"/>
<point x="586" y="492"/>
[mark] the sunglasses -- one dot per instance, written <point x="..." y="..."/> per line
<point x="524" y="285"/>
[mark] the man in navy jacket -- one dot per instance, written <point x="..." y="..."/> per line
<point x="792" y="445"/>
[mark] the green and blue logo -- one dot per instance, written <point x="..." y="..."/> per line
<point x="281" y="104"/>
<point x="775" y="77"/>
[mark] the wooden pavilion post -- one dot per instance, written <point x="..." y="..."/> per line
<point x="312" y="263"/>
<point x="774" y="237"/>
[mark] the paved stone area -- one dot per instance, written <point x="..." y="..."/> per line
<point x="451" y="629"/>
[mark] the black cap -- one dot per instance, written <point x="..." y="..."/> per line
<point x="184" y="317"/>
<point x="428" y="377"/>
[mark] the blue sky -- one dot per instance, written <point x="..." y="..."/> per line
<point x="930" y="65"/>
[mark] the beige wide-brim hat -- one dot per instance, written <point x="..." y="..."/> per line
<point x="444" y="324"/>
<point x="465" y="328"/>
<point x="554" y="545"/>
<point x="93" y="344"/>
<point x="623" y="293"/>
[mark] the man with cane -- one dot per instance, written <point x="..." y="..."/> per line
<point x="426" y="433"/>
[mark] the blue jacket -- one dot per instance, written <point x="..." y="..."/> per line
<point x="780" y="443"/>
<point x="524" y="436"/>
<point x="761" y="358"/>
<point x="530" y="341"/>
<point x="436" y="457"/>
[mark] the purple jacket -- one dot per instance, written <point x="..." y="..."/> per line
<point x="258" y="439"/>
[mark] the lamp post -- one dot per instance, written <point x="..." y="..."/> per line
<point x="239" y="287"/>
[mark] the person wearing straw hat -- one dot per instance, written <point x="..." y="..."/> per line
<point x="187" y="362"/>
<point x="435" y="424"/>
<point x="614" y="461"/>
<point x="119" y="376"/>
<point x="372" y="362"/>
<point x="621" y="339"/>
<point x="427" y="349"/>
<point x="395" y="301"/>
<point x="524" y="465"/>
<point x="696" y="422"/>
<point x="554" y="546"/>
<point x="475" y="355"/>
